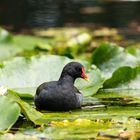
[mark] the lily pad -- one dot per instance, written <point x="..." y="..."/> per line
<point x="93" y="85"/>
<point x="5" y="36"/>
<point x="134" y="51"/>
<point x="23" y="74"/>
<point x="10" y="112"/>
<point x="122" y="88"/>
<point x="8" y="50"/>
<point x="124" y="78"/>
<point x="109" y="57"/>
<point x="11" y="45"/>
<point x="29" y="112"/>
<point x="100" y="119"/>
<point x="27" y="42"/>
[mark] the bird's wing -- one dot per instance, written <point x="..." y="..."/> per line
<point x="79" y="96"/>
<point x="42" y="86"/>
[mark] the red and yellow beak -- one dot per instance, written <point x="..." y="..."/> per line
<point x="84" y="75"/>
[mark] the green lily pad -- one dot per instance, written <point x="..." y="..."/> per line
<point x="7" y="47"/>
<point x="8" y="50"/>
<point x="27" y="42"/>
<point x="109" y="57"/>
<point x="25" y="74"/>
<point x="11" y="46"/>
<point x="124" y="78"/>
<point x="97" y="119"/>
<point x="122" y="88"/>
<point x="93" y="85"/>
<point x="134" y="51"/>
<point x="5" y="36"/>
<point x="29" y="112"/>
<point x="79" y="125"/>
<point x="10" y="112"/>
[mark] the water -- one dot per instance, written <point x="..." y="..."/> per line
<point x="52" y="13"/>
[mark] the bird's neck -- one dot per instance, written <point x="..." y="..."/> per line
<point x="67" y="79"/>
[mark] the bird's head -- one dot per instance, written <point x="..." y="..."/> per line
<point x="76" y="70"/>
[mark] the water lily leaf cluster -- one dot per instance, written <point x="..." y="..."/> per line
<point x="121" y="69"/>
<point x="109" y="57"/>
<point x="27" y="61"/>
<point x="10" y="112"/>
<point x="38" y="69"/>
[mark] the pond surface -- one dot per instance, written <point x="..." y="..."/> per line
<point x="46" y="13"/>
<point x="106" y="120"/>
<point x="110" y="112"/>
<point x="119" y="116"/>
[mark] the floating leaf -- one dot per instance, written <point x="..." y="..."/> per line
<point x="11" y="46"/>
<point x="10" y="112"/>
<point x="93" y="85"/>
<point x="124" y="78"/>
<point x="8" y="50"/>
<point x="27" y="42"/>
<point x="26" y="73"/>
<point x="134" y="51"/>
<point x="122" y="88"/>
<point x="5" y="36"/>
<point x="29" y="112"/>
<point x="109" y="57"/>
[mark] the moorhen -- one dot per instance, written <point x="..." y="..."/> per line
<point x="61" y="95"/>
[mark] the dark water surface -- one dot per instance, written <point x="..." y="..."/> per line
<point x="52" y="13"/>
<point x="16" y="15"/>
